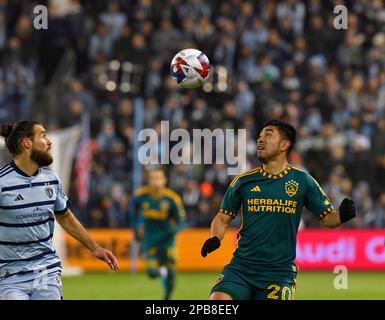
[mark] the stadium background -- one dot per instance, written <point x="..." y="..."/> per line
<point x="100" y="62"/>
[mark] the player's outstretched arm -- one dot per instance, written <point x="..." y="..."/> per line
<point x="73" y="227"/>
<point x="218" y="228"/>
<point x="347" y="211"/>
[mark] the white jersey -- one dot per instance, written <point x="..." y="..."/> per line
<point x="28" y="205"/>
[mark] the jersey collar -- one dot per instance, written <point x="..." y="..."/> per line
<point x="283" y="173"/>
<point x="21" y="172"/>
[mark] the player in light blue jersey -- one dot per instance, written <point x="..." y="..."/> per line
<point x="31" y="198"/>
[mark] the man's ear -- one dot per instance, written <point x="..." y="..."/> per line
<point x="26" y="143"/>
<point x="285" y="145"/>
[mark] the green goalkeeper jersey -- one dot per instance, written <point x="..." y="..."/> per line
<point x="270" y="207"/>
<point x="161" y="216"/>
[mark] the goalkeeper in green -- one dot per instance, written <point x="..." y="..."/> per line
<point x="270" y="199"/>
<point x="159" y="215"/>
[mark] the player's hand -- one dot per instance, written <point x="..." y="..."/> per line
<point x="106" y="256"/>
<point x="210" y="245"/>
<point x="347" y="210"/>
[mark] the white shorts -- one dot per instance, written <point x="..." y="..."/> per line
<point x="45" y="286"/>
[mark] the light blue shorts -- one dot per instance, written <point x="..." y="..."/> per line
<point x="43" y="286"/>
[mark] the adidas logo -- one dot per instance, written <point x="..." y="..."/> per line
<point x="256" y="188"/>
<point x="19" y="197"/>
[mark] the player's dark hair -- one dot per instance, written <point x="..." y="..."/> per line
<point x="285" y="129"/>
<point x="14" y="133"/>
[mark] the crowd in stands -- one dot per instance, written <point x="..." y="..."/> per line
<point x="284" y="59"/>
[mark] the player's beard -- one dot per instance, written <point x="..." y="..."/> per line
<point x="268" y="156"/>
<point x="42" y="158"/>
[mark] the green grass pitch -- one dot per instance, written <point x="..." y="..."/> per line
<point x="197" y="285"/>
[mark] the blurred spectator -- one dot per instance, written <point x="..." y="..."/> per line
<point x="144" y="11"/>
<point x="54" y="42"/>
<point x="165" y="40"/>
<point x="137" y="53"/>
<point x="178" y="177"/>
<point x="225" y="48"/>
<point x="76" y="91"/>
<point x="124" y="112"/>
<point x="316" y="35"/>
<point x="378" y="145"/>
<point x="254" y="36"/>
<point x="5" y="112"/>
<point x="294" y="11"/>
<point x="243" y="99"/>
<point x="200" y="116"/>
<point x="204" y="34"/>
<point x="190" y="197"/>
<point x="194" y="9"/>
<point x="119" y="164"/>
<point x="123" y="44"/>
<point x="19" y="80"/>
<point x="107" y="137"/>
<point x="289" y="80"/>
<point x="375" y="11"/>
<point x="101" y="43"/>
<point x="152" y="112"/>
<point x="315" y="7"/>
<point x="153" y="78"/>
<point x="173" y="112"/>
<point x="376" y="217"/>
<point x="117" y="207"/>
<point x="79" y="28"/>
<point x="205" y="209"/>
<point x="378" y="174"/>
<point x="29" y="41"/>
<point x="73" y="115"/>
<point x="113" y="19"/>
<point x="350" y="53"/>
<point x="362" y="198"/>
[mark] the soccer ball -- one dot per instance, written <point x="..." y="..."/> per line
<point x="190" y="68"/>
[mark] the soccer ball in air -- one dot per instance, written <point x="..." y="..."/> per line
<point x="190" y="68"/>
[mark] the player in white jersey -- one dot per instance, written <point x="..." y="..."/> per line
<point x="31" y="198"/>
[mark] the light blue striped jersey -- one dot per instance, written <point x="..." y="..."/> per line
<point x="28" y="205"/>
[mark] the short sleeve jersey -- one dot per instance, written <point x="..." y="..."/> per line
<point x="28" y="205"/>
<point x="270" y="207"/>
